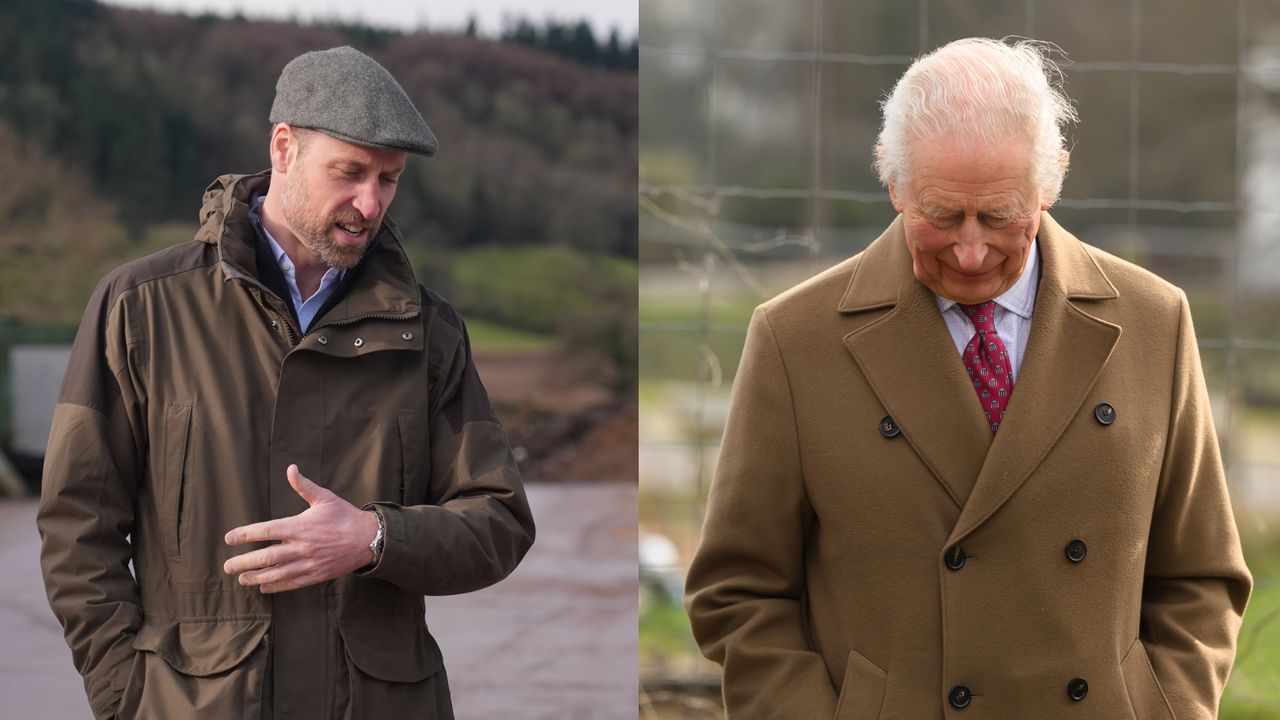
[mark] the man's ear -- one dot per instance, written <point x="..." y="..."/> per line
<point x="893" y="198"/>
<point x="283" y="148"/>
<point x="1064" y="160"/>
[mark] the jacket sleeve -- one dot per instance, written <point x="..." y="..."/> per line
<point x="1196" y="583"/>
<point x="476" y="525"/>
<point x="745" y="590"/>
<point x="86" y="506"/>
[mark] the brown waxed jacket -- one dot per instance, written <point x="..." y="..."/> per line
<point x="870" y="548"/>
<point x="190" y="390"/>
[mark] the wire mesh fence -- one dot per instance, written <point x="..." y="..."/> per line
<point x="757" y="123"/>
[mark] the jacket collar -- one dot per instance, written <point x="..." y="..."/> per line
<point x="907" y="355"/>
<point x="382" y="285"/>
<point x="884" y="275"/>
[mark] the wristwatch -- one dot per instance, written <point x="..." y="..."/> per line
<point x="376" y="545"/>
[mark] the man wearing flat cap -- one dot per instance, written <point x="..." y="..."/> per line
<point x="971" y="472"/>
<point x="285" y="435"/>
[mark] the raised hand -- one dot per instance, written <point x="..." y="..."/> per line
<point x="327" y="540"/>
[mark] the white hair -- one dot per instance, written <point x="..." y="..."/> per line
<point x="979" y="89"/>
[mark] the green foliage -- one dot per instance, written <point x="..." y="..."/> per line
<point x="1253" y="692"/>
<point x="664" y="630"/>
<point x="487" y="336"/>
<point x="576" y="41"/>
<point x="587" y="301"/>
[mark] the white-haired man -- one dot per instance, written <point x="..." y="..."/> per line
<point x="971" y="472"/>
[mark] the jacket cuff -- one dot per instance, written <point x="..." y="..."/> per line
<point x="392" y="539"/>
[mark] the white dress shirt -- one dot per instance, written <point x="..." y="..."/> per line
<point x="1013" y="320"/>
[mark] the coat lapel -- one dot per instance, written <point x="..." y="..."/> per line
<point x="911" y="363"/>
<point x="1066" y="352"/>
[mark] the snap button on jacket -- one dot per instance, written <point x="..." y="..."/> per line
<point x="190" y="390"/>
<point x="843" y="576"/>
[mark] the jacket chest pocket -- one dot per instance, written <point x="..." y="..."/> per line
<point x="173" y="480"/>
<point x="412" y="430"/>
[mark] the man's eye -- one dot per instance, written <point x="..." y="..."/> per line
<point x="942" y="221"/>
<point x="996" y="221"/>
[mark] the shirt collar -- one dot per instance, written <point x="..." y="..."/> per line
<point x="1019" y="299"/>
<point x="331" y="275"/>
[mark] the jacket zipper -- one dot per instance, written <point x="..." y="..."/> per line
<point x="283" y="328"/>
<point x="367" y="316"/>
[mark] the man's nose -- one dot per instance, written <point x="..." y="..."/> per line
<point x="366" y="200"/>
<point x="971" y="249"/>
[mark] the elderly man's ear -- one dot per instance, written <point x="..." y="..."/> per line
<point x="893" y="195"/>
<point x="1064" y="159"/>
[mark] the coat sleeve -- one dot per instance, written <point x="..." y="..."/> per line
<point x="476" y="525"/>
<point x="745" y="591"/>
<point x="86" y="506"/>
<point x="1196" y="583"/>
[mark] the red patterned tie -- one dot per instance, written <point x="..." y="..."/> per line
<point x="988" y="363"/>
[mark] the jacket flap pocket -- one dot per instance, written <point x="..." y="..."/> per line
<point x="862" y="692"/>
<point x="201" y="648"/>
<point x="1145" y="696"/>
<point x="397" y="652"/>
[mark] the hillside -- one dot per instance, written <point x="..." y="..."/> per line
<point x="115" y="120"/>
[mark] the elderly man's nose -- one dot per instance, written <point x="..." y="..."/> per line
<point x="970" y="252"/>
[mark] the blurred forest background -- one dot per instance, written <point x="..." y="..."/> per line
<point x="757" y="121"/>
<point x="112" y="122"/>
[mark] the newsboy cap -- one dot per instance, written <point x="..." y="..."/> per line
<point x="344" y="93"/>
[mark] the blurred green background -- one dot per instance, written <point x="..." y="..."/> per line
<point x="757" y="121"/>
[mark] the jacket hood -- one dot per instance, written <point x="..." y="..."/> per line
<point x="227" y="197"/>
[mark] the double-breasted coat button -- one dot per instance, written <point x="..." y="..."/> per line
<point x="1104" y="413"/>
<point x="888" y="427"/>
<point x="1077" y="689"/>
<point x="359" y="342"/>
<point x="959" y="697"/>
<point x="1076" y="550"/>
<point x="407" y="335"/>
<point x="323" y="340"/>
<point x="955" y="557"/>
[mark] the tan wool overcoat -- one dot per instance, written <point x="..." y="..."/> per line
<point x="189" y="392"/>
<point x="871" y="552"/>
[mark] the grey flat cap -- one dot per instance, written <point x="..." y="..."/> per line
<point x="344" y="93"/>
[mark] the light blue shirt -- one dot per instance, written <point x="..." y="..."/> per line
<point x="308" y="308"/>
<point x="1013" y="322"/>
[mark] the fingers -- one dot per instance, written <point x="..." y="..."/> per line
<point x="306" y="489"/>
<point x="278" y="554"/>
<point x="259" y="532"/>
<point x="290" y="576"/>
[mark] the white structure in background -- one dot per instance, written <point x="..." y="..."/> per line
<point x="660" y="569"/>
<point x="35" y="376"/>
<point x="1260" y="176"/>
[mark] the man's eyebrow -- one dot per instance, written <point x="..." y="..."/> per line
<point x="1005" y="213"/>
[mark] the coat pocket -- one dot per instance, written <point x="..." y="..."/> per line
<point x="413" y="448"/>
<point x="1146" y="699"/>
<point x="172" y="486"/>
<point x="394" y="670"/>
<point x="862" y="693"/>
<point x="211" y="669"/>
